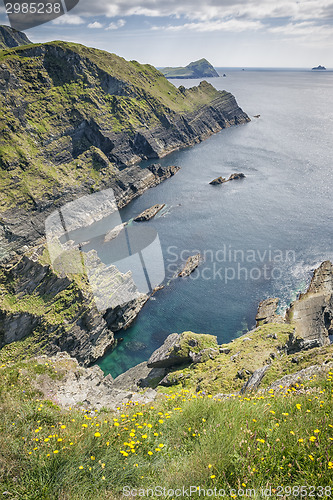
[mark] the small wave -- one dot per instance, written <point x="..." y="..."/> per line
<point x="164" y="212"/>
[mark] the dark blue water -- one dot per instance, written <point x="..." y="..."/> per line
<point x="263" y="235"/>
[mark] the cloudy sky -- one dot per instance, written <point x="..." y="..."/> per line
<point x="239" y="33"/>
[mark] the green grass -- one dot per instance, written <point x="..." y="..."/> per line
<point x="185" y="439"/>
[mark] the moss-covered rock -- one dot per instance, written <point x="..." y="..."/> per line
<point x="180" y="349"/>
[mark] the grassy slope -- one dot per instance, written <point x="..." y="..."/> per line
<point x="55" y="98"/>
<point x="259" y="441"/>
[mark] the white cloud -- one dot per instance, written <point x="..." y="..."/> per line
<point x="95" y="25"/>
<point x="69" y="19"/>
<point x="210" y="9"/>
<point x="235" y="25"/>
<point x="307" y="33"/>
<point x="115" y="26"/>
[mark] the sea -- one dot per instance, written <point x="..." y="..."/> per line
<point x="261" y="236"/>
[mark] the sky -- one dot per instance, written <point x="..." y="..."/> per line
<point x="239" y="33"/>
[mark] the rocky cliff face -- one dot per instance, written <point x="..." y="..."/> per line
<point x="312" y="313"/>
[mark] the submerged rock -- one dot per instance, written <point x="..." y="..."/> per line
<point x="135" y="346"/>
<point x="218" y="180"/>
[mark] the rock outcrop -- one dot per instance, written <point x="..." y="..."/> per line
<point x="181" y="349"/>
<point x="149" y="213"/>
<point x="217" y="181"/>
<point x="139" y="377"/>
<point x="190" y="265"/>
<point x="223" y="180"/>
<point x="49" y="314"/>
<point x="255" y="380"/>
<point x="300" y="376"/>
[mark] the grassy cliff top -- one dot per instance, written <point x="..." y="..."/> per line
<point x="259" y="441"/>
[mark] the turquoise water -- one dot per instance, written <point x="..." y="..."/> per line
<point x="262" y="236"/>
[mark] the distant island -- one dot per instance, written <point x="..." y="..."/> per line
<point x="319" y="68"/>
<point x="197" y="69"/>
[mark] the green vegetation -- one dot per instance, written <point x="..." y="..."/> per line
<point x="262" y="440"/>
